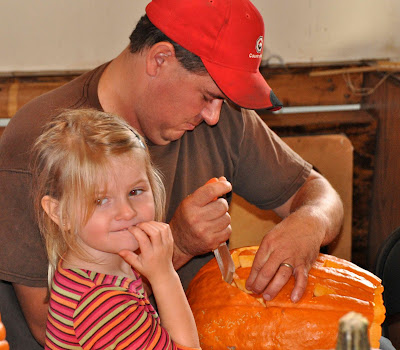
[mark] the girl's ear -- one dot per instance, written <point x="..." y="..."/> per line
<point x="51" y="207"/>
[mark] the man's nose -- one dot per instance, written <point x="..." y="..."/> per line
<point x="210" y="113"/>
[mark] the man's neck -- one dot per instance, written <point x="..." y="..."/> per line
<point x="119" y="87"/>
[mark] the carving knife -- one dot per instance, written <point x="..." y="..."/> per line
<point x="223" y="255"/>
<point x="225" y="262"/>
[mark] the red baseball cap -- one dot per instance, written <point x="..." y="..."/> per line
<point x="228" y="36"/>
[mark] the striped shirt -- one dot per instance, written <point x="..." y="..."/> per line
<point x="90" y="310"/>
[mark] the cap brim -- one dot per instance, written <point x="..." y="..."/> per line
<point x="246" y="89"/>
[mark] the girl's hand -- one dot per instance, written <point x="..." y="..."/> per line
<point x="153" y="259"/>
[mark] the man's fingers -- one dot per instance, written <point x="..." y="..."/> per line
<point x="259" y="263"/>
<point x="210" y="192"/>
<point x="261" y="277"/>
<point x="301" y="280"/>
<point x="280" y="278"/>
<point x="270" y="278"/>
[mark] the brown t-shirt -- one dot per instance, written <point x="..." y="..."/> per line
<point x="240" y="147"/>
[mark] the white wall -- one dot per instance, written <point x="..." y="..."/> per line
<point x="331" y="30"/>
<point x="53" y="35"/>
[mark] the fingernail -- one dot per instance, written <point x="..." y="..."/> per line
<point x="267" y="297"/>
<point x="295" y="298"/>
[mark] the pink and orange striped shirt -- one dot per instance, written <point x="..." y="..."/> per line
<point x="90" y="310"/>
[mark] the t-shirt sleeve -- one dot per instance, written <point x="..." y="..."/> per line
<point x="111" y="317"/>
<point x="268" y="171"/>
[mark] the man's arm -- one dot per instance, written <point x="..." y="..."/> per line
<point x="313" y="217"/>
<point x="34" y="307"/>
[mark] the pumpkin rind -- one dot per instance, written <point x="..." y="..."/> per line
<point x="228" y="317"/>
<point x="3" y="342"/>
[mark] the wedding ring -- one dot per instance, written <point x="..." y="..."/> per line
<point x="287" y="265"/>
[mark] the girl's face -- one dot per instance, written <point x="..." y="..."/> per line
<point x="126" y="201"/>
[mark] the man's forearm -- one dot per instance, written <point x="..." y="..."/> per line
<point x="34" y="307"/>
<point x="319" y="201"/>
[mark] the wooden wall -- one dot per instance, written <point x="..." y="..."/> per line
<point x="295" y="87"/>
<point x="384" y="105"/>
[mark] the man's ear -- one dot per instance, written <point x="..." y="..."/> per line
<point x="157" y="56"/>
<point x="51" y="207"/>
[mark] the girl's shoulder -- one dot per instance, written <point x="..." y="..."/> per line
<point x="80" y="281"/>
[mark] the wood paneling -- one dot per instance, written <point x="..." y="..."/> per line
<point x="360" y="127"/>
<point x="327" y="153"/>
<point x="295" y="87"/>
<point x="16" y="91"/>
<point x="384" y="103"/>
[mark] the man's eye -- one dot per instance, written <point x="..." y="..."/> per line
<point x="135" y="192"/>
<point x="101" y="201"/>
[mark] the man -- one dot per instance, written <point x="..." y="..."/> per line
<point x="188" y="67"/>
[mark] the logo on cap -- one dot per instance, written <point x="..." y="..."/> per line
<point x="259" y="44"/>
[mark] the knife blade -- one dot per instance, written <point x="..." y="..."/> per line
<point x="225" y="262"/>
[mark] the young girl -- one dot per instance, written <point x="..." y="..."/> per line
<point x="98" y="201"/>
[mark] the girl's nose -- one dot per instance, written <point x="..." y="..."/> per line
<point x="210" y="113"/>
<point x="125" y="211"/>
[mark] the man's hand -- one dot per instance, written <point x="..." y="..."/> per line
<point x="291" y="247"/>
<point x="290" y="242"/>
<point x="201" y="223"/>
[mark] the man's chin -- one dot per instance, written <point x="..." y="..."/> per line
<point x="165" y="140"/>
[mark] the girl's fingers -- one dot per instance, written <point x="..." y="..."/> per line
<point x="158" y="232"/>
<point x="130" y="257"/>
<point x="141" y="236"/>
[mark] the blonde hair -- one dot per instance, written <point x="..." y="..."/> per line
<point x="70" y="159"/>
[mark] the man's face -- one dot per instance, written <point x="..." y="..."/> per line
<point x="178" y="101"/>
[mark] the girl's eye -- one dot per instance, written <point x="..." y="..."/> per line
<point x="135" y="192"/>
<point x="101" y="201"/>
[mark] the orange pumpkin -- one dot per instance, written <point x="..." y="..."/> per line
<point x="3" y="343"/>
<point x="229" y="317"/>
